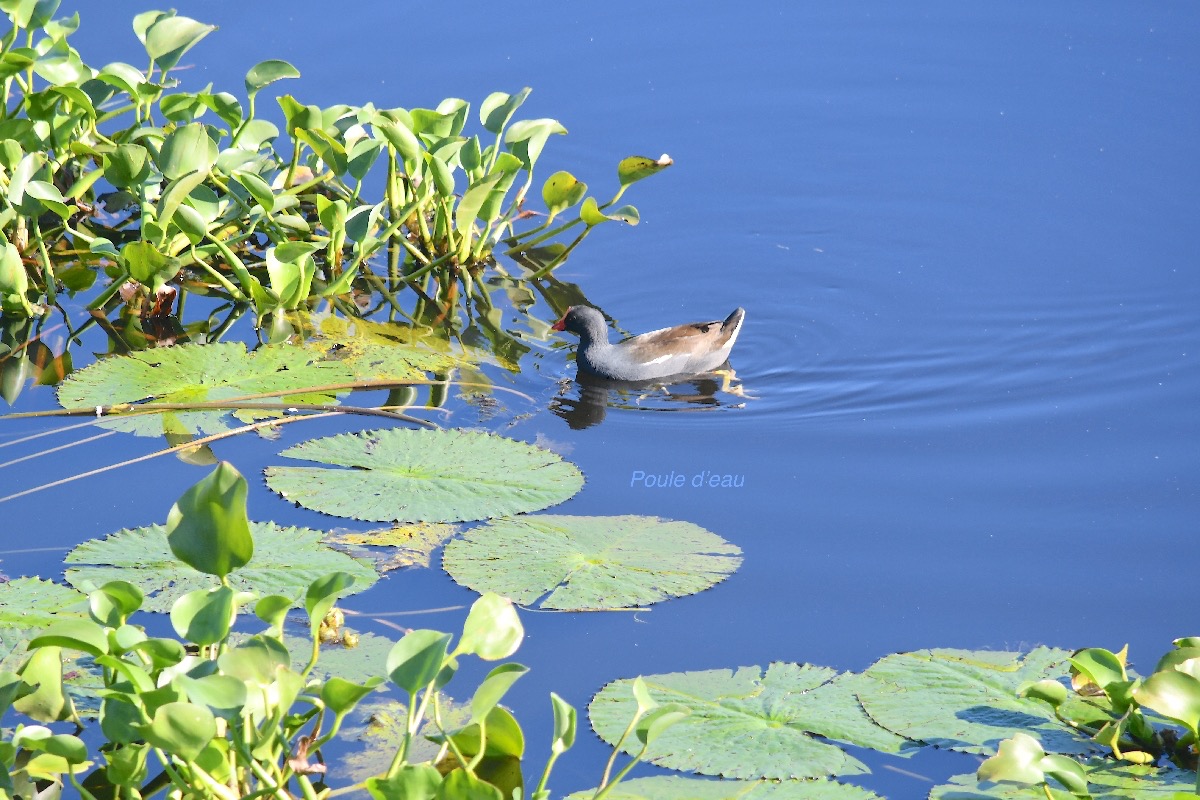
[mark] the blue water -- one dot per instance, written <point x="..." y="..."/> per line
<point x="965" y="239"/>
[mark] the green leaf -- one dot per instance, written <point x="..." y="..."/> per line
<point x="498" y="108"/>
<point x="417" y="659"/>
<point x="1016" y="761"/>
<point x="412" y="782"/>
<point x="403" y="139"/>
<point x="286" y="561"/>
<point x="525" y="139"/>
<point x="38" y="739"/>
<point x="36" y="603"/>
<point x="77" y="634"/>
<point x="654" y="724"/>
<point x="493" y="688"/>
<point x="1172" y="694"/>
<point x="749" y="723"/>
<point x="113" y="602"/>
<point x="565" y="725"/>
<point x="566" y="562"/>
<point x="1101" y="666"/>
<point x="634" y="168"/>
<point x="169" y="37"/>
<point x="472" y="201"/>
<point x="14" y="282"/>
<point x="128" y="165"/>
<point x="49" y="702"/>
<point x="493" y="630"/>
<point x="176" y="192"/>
<point x="258" y="188"/>
<point x="186" y="149"/>
<point x="264" y="73"/>
<point x="182" y="729"/>
<point x="147" y="265"/>
<point x="340" y="695"/>
<point x="430" y="476"/>
<point x="198" y="373"/>
<point x="964" y="700"/>
<point x="204" y="616"/>
<point x="591" y="214"/>
<point x="322" y="594"/>
<point x="207" y="527"/>
<point x="561" y="191"/>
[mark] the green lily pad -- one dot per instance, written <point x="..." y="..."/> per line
<point x="967" y="700"/>
<point x="286" y="561"/>
<point x="565" y="562"/>
<point x="424" y="476"/>
<point x="751" y="724"/>
<point x="35" y="603"/>
<point x="1107" y="780"/>
<point x="198" y="373"/>
<point x="676" y="787"/>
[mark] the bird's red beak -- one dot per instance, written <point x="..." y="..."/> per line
<point x="561" y="325"/>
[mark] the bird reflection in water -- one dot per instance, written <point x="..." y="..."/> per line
<point x="709" y="391"/>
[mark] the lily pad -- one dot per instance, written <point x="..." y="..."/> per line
<point x="1107" y="780"/>
<point x="286" y="561"/>
<point x="676" y="787"/>
<point x="194" y="374"/>
<point x="967" y="700"/>
<point x="590" y="563"/>
<point x="751" y="724"/>
<point x="396" y="547"/>
<point x="424" y="476"/>
<point x="35" y="603"/>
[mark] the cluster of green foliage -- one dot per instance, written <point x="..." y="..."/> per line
<point x="115" y="167"/>
<point x="1119" y="722"/>
<point x="212" y="714"/>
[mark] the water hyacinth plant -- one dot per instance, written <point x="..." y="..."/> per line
<point x="117" y="167"/>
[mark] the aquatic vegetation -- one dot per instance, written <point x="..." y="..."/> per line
<point x="117" y="169"/>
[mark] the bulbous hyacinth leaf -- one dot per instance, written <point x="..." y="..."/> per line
<point x="113" y="602"/>
<point x="198" y="373"/>
<point x="590" y="563"/>
<point x="750" y="724"/>
<point x="287" y="560"/>
<point x="49" y="702"/>
<point x="204" y="616"/>
<point x="634" y="168"/>
<point x="75" y="634"/>
<point x="264" y="73"/>
<point x="527" y="138"/>
<point x="497" y="109"/>
<point x="1016" y="761"/>
<point x="128" y="165"/>
<point x="170" y="36"/>
<point x="322" y="594"/>
<point x="1107" y="779"/>
<point x="675" y="787"/>
<point x="493" y="688"/>
<point x="561" y="191"/>
<point x="1173" y="694"/>
<point x="424" y="476"/>
<point x="340" y="695"/>
<point x="968" y="700"/>
<point x="493" y="630"/>
<point x="207" y="528"/>
<point x="565" y="725"/>
<point x="182" y="729"/>
<point x="417" y="658"/>
<point x="186" y="149"/>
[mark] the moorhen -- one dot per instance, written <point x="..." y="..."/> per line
<point x="683" y="350"/>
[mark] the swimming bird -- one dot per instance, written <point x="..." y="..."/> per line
<point x="683" y="350"/>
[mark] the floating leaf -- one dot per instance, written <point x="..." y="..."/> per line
<point x="750" y="724"/>
<point x="424" y="476"/>
<point x="677" y="787"/>
<point x="967" y="700"/>
<point x="197" y="373"/>
<point x="35" y="603"/>
<point x="286" y="561"/>
<point x="1108" y="780"/>
<point x="409" y="545"/>
<point x="566" y="562"/>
